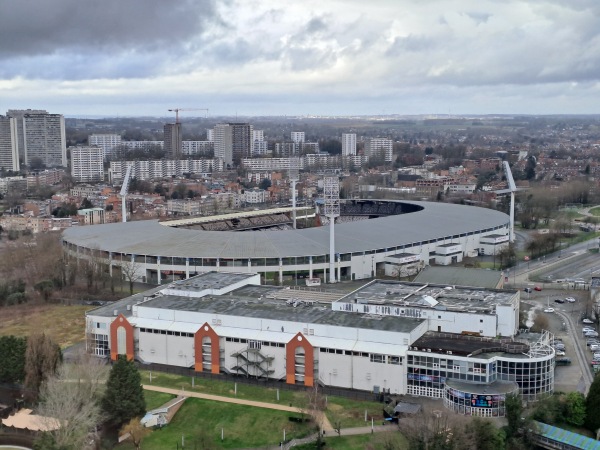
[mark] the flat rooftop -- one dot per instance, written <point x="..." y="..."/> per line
<point x="480" y="347"/>
<point x="437" y="296"/>
<point x="251" y="301"/>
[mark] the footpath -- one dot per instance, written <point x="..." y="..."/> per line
<point x="324" y="424"/>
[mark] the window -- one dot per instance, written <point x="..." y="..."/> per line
<point x="121" y="341"/>
<point x="254" y="344"/>
<point x="397" y="360"/>
<point x="376" y="358"/>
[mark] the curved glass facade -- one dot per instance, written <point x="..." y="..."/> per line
<point x="477" y="399"/>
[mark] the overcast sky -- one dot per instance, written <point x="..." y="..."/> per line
<point x="322" y="57"/>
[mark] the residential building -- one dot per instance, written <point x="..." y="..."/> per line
<point x="233" y="142"/>
<point x="198" y="148"/>
<point x="107" y="142"/>
<point x="44" y="177"/>
<point x="376" y="147"/>
<point x="91" y="216"/>
<point x="152" y="169"/>
<point x="9" y="149"/>
<point x="43" y="137"/>
<point x="255" y="195"/>
<point x="348" y="144"/>
<point x="87" y="164"/>
<point x="298" y="137"/>
<point x="16" y="186"/>
<point x="173" y="140"/>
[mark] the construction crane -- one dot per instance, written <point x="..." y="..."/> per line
<point x="125" y="191"/>
<point x="176" y="110"/>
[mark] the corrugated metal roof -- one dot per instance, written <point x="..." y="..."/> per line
<point x="435" y="220"/>
<point x="567" y="437"/>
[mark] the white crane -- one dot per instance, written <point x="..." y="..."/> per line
<point x="125" y="191"/>
<point x="512" y="188"/>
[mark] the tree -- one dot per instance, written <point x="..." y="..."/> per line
<point x="124" y="397"/>
<point x="592" y="406"/>
<point x="41" y="361"/>
<point x="575" y="413"/>
<point x="130" y="271"/>
<point x="71" y="399"/>
<point x="137" y="432"/>
<point x="514" y="411"/>
<point x="86" y="204"/>
<point x="265" y="184"/>
<point x="484" y="434"/>
<point x="12" y="355"/>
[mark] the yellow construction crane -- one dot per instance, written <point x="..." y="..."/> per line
<point x="186" y="109"/>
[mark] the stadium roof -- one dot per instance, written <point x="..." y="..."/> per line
<point x="434" y="221"/>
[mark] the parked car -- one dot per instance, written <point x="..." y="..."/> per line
<point x="590" y="334"/>
<point x="584" y="329"/>
<point x="587" y="321"/>
<point x="559" y="352"/>
<point x="591" y="341"/>
<point x="570" y="300"/>
<point x="528" y="290"/>
<point x="559" y="347"/>
<point x="548" y="310"/>
<point x="559" y="300"/>
<point x="537" y="288"/>
<point x="594" y="347"/>
<point x="596" y="356"/>
<point x="563" y="361"/>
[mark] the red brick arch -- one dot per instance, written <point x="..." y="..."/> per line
<point x="299" y="340"/>
<point x="207" y="330"/>
<point x="121" y="321"/>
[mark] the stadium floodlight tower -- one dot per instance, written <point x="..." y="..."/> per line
<point x="512" y="188"/>
<point x="294" y="176"/>
<point x="125" y="191"/>
<point x="331" y="192"/>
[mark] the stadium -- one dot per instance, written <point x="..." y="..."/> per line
<point x="371" y="237"/>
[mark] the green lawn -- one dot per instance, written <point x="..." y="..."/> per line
<point x="200" y="423"/>
<point x="351" y="413"/>
<point x="156" y="399"/>
<point x="361" y="442"/>
<point x="218" y="387"/>
<point x="595" y="211"/>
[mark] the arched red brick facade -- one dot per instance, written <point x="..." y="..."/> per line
<point x="309" y="357"/>
<point x="121" y="321"/>
<point x="207" y="331"/>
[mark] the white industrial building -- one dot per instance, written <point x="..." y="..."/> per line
<point x="163" y="168"/>
<point x="378" y="338"/>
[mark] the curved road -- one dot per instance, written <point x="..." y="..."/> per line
<point x="586" y="370"/>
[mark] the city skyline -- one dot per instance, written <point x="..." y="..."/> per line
<point x="332" y="58"/>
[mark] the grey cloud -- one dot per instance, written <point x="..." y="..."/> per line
<point x="479" y="18"/>
<point x="33" y="27"/>
<point x="411" y="43"/>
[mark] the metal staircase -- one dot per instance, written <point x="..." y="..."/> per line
<point x="252" y="363"/>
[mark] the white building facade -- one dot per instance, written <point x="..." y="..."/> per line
<point x="87" y="164"/>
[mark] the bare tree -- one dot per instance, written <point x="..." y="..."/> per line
<point x="137" y="432"/>
<point x="70" y="399"/>
<point x="41" y="361"/>
<point x="130" y="271"/>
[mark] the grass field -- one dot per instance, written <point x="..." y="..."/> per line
<point x="351" y="413"/>
<point x="200" y="421"/>
<point x="595" y="211"/>
<point x="362" y="442"/>
<point x="156" y="399"/>
<point x="65" y="324"/>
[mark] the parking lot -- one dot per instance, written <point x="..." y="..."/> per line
<point x="566" y="323"/>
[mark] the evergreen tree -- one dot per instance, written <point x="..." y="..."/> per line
<point x="124" y="397"/>
<point x="575" y="409"/>
<point x="12" y="355"/>
<point x="592" y="406"/>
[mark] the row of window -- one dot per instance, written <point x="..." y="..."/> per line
<point x="166" y="332"/>
<point x="255" y="344"/>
